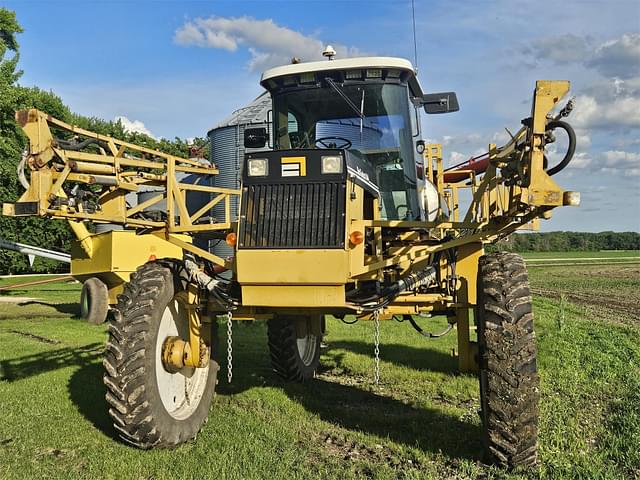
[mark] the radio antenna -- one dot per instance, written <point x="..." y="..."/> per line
<point x="415" y="43"/>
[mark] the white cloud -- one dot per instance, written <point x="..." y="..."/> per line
<point x="134" y="126"/>
<point x="590" y="112"/>
<point x="581" y="160"/>
<point x="559" y="49"/>
<point x="619" y="57"/>
<point x="621" y="160"/>
<point x="500" y="137"/>
<point x="460" y="140"/>
<point x="455" y="158"/>
<point x="583" y="139"/>
<point x="268" y="43"/>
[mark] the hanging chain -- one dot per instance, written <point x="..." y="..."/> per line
<point x="229" y="347"/>
<point x="376" y="348"/>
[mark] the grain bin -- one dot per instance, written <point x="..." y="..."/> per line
<point x="227" y="153"/>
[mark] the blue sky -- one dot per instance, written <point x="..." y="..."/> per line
<point x="176" y="68"/>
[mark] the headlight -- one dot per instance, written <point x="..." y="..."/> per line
<point x="258" y="167"/>
<point x="331" y="164"/>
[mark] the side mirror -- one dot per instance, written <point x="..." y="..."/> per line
<point x="445" y="102"/>
<point x="255" y="137"/>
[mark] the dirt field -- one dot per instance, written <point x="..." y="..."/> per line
<point x="608" y="291"/>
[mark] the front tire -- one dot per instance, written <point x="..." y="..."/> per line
<point x="294" y="345"/>
<point x="509" y="382"/>
<point x="150" y="406"/>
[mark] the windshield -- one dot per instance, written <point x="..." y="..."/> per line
<point x="370" y="120"/>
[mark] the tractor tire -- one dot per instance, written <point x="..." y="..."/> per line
<point x="150" y="406"/>
<point x="94" y="301"/>
<point x="294" y="345"/>
<point x="509" y="382"/>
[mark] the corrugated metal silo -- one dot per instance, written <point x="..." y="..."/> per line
<point x="227" y="153"/>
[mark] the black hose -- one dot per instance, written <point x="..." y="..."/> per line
<point x="427" y="334"/>
<point x="388" y="294"/>
<point x="77" y="146"/>
<point x="571" y="149"/>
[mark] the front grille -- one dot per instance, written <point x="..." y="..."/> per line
<point x="296" y="215"/>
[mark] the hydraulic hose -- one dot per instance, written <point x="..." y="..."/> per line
<point x="77" y="146"/>
<point x="386" y="296"/>
<point x="571" y="149"/>
<point x="427" y="334"/>
<point x="211" y="284"/>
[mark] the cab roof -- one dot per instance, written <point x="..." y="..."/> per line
<point x="346" y="64"/>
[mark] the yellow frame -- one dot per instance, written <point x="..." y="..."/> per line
<point x="122" y="168"/>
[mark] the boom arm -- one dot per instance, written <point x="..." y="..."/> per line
<point x="510" y="191"/>
<point x="80" y="175"/>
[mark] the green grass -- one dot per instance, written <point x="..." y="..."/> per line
<point x="421" y="422"/>
<point x="609" y="254"/>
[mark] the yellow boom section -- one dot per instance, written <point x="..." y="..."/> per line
<point x="76" y="174"/>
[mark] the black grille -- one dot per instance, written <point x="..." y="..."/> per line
<point x="293" y="215"/>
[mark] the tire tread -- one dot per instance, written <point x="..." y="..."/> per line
<point x="124" y="368"/>
<point x="508" y="359"/>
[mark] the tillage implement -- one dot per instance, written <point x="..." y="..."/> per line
<point x="344" y="211"/>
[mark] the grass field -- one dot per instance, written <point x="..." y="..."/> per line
<point x="421" y="422"/>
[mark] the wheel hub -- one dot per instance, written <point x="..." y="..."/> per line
<point x="177" y="354"/>
<point x="180" y="384"/>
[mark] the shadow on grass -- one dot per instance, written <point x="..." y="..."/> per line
<point x="72" y="309"/>
<point x="345" y="406"/>
<point x="423" y="359"/>
<point x="87" y="392"/>
<point x="355" y="409"/>
<point x="49" y="360"/>
<point x="85" y="386"/>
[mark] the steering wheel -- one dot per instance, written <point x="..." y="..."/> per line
<point x="398" y="207"/>
<point x="346" y="143"/>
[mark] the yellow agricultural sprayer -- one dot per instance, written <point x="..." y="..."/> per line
<point x="333" y="220"/>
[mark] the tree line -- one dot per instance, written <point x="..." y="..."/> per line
<point x="569" y="242"/>
<point x="41" y="232"/>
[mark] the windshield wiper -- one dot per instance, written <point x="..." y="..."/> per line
<point x="347" y="100"/>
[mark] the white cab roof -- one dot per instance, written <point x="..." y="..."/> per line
<point x="346" y="64"/>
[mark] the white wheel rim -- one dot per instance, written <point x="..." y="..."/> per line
<point x="182" y="391"/>
<point x="306" y="345"/>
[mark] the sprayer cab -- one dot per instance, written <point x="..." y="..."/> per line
<point x="343" y="151"/>
<point x="366" y="107"/>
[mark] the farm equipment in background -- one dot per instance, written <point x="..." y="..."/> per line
<point x="346" y="213"/>
<point x="32" y="252"/>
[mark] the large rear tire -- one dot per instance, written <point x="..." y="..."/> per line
<point x="294" y="345"/>
<point x="150" y="406"/>
<point x="509" y="382"/>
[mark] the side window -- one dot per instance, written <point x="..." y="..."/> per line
<point x="293" y="129"/>
<point x="292" y="123"/>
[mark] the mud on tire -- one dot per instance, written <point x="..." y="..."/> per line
<point x="509" y="382"/>
<point x="134" y="376"/>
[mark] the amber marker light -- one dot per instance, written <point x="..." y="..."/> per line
<point x="356" y="238"/>
<point x="231" y="239"/>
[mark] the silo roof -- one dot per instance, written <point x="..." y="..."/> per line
<point x="255" y="112"/>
